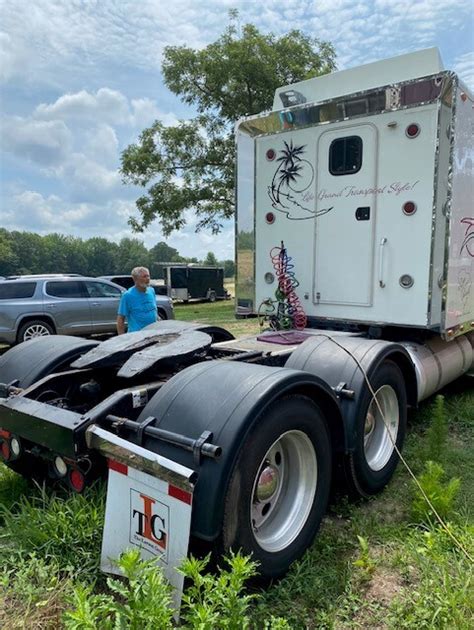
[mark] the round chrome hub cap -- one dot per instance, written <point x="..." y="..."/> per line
<point x="284" y="490"/>
<point x="381" y="427"/>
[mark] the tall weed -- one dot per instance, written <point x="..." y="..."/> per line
<point x="140" y="602"/>
<point x="437" y="433"/>
<point x="143" y="600"/>
<point x="441" y="495"/>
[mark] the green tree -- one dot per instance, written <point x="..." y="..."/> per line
<point x="229" y="268"/>
<point x="132" y="253"/>
<point x="191" y="165"/>
<point x="76" y="257"/>
<point x="8" y="258"/>
<point x="29" y="250"/>
<point x="210" y="260"/>
<point x="102" y="257"/>
<point x="162" y="252"/>
<point x="55" y="260"/>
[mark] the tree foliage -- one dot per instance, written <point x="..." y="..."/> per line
<point x="210" y="260"/>
<point x="191" y="166"/>
<point x="26" y="252"/>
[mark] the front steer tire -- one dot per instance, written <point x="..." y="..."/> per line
<point x="278" y="491"/>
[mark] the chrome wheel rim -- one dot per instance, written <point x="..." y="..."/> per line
<point x="283" y="491"/>
<point x="37" y="330"/>
<point x="380" y="435"/>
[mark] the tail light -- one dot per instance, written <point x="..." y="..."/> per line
<point x="77" y="480"/>
<point x="5" y="450"/>
<point x="10" y="447"/>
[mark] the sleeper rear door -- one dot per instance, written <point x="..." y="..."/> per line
<point x="346" y="209"/>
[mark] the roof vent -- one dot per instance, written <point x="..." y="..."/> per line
<point x="292" y="97"/>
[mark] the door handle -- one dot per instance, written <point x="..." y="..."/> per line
<point x="383" y="242"/>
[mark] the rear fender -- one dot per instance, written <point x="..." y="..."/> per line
<point x="226" y="398"/>
<point x="338" y="360"/>
<point x="32" y="360"/>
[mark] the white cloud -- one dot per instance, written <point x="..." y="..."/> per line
<point x="464" y="66"/>
<point x="192" y="244"/>
<point x="31" y="211"/>
<point x="90" y="181"/>
<point x="72" y="141"/>
<point x="105" y="105"/>
<point x="101" y="143"/>
<point x="13" y="57"/>
<point x="80" y="37"/>
<point x="46" y="143"/>
<point x="145" y="112"/>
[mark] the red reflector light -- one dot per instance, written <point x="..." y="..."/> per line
<point x="270" y="217"/>
<point x="6" y="453"/>
<point x="413" y="130"/>
<point x="409" y="207"/>
<point x="270" y="155"/>
<point x="5" y="434"/>
<point x="77" y="480"/>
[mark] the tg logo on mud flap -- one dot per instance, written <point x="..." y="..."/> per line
<point x="149" y="521"/>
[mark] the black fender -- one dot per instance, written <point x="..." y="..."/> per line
<point x="225" y="398"/>
<point x="336" y="359"/>
<point x="34" y="359"/>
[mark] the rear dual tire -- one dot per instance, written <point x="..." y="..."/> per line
<point x="380" y="432"/>
<point x="279" y="489"/>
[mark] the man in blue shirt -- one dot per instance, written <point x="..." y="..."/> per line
<point x="137" y="304"/>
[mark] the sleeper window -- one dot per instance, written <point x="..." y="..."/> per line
<point x="345" y="155"/>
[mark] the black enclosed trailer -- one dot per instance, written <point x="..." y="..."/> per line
<point x="193" y="282"/>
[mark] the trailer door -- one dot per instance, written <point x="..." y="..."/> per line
<point x="346" y="208"/>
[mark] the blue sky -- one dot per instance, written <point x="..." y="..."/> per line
<point x="81" y="78"/>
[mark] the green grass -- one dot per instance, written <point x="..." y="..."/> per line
<point x="220" y="313"/>
<point x="371" y="566"/>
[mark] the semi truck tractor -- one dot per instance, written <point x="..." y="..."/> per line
<point x="355" y="249"/>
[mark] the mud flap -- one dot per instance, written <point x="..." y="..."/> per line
<point x="149" y="512"/>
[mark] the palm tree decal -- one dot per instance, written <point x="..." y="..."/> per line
<point x="468" y="242"/>
<point x="292" y="177"/>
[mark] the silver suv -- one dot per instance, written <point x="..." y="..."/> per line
<point x="63" y="304"/>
